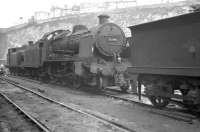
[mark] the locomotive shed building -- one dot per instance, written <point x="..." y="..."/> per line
<point x="170" y="46"/>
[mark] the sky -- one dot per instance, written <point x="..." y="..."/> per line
<point x="12" y="10"/>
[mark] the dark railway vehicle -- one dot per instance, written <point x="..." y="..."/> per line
<point x="165" y="57"/>
<point x="89" y="56"/>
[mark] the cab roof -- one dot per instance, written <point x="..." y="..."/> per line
<point x="188" y="18"/>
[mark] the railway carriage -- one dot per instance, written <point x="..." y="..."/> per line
<point x="165" y="58"/>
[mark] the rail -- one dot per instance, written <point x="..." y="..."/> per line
<point x="98" y="116"/>
<point x="170" y="113"/>
<point x="167" y="112"/>
<point x="32" y="119"/>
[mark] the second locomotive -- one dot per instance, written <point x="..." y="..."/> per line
<point x="81" y="56"/>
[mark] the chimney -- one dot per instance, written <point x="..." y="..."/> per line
<point x="30" y="42"/>
<point x="103" y="19"/>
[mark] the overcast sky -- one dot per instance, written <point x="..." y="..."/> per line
<point x="12" y="10"/>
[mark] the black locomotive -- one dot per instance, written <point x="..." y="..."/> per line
<point x="81" y="56"/>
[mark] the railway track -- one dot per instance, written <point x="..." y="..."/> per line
<point x="108" y="121"/>
<point x="39" y="126"/>
<point x="173" y="113"/>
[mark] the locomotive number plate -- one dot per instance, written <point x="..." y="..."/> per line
<point x="112" y="39"/>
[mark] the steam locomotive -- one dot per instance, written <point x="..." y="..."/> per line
<point x="81" y="56"/>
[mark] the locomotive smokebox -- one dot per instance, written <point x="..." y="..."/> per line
<point x="103" y="18"/>
<point x="109" y="38"/>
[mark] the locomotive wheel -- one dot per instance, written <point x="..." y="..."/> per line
<point x="74" y="81"/>
<point x="124" y="88"/>
<point x="159" y="102"/>
<point x="44" y="77"/>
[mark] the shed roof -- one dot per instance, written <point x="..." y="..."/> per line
<point x="172" y="21"/>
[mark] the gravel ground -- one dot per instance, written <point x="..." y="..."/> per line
<point x="12" y="121"/>
<point x="56" y="118"/>
<point x="136" y="117"/>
